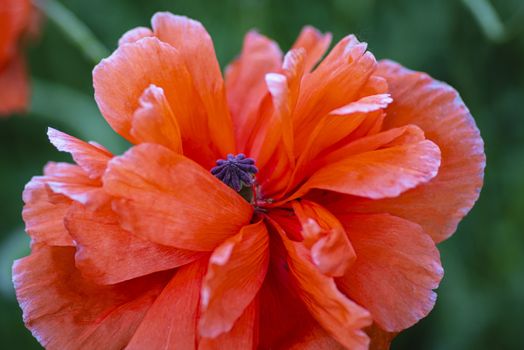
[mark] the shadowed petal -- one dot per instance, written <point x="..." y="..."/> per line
<point x="339" y="316"/>
<point x="380" y="339"/>
<point x="236" y="271"/>
<point x="168" y="199"/>
<point x="314" y="338"/>
<point x="242" y="336"/>
<point x="171" y="321"/>
<point x="398" y="267"/>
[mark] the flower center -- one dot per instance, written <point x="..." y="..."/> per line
<point x="236" y="171"/>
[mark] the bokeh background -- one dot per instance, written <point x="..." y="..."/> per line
<point x="476" y="46"/>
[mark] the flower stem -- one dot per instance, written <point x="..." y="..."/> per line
<point x="487" y="18"/>
<point x="74" y="29"/>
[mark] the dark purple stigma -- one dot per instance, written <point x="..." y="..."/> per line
<point x="236" y="171"/>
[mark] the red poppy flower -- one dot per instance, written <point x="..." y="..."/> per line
<point x="295" y="205"/>
<point x="16" y="17"/>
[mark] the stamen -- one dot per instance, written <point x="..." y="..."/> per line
<point x="236" y="171"/>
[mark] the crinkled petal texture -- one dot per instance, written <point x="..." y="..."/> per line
<point x="363" y="166"/>
<point x="167" y="198"/>
<point x="436" y="108"/>
<point x="397" y="268"/>
<point x="65" y="311"/>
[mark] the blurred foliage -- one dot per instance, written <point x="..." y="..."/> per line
<point x="475" y="46"/>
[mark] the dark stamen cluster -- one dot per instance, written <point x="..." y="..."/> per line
<point x="235" y="171"/>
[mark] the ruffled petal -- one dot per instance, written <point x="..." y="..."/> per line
<point x="313" y="338"/>
<point x="44" y="215"/>
<point x="245" y="83"/>
<point x="380" y="173"/>
<point x="273" y="143"/>
<point x="154" y="121"/>
<point x="121" y="80"/>
<point x="336" y="82"/>
<point x="436" y="108"/>
<point x="107" y="254"/>
<point x="335" y="130"/>
<point x="314" y="43"/>
<point x="171" y="322"/>
<point x="135" y="34"/>
<point x="196" y="49"/>
<point x="91" y="157"/>
<point x="168" y="199"/>
<point x="14" y="87"/>
<point x="398" y="267"/>
<point x="323" y="234"/>
<point x="73" y="182"/>
<point x="236" y="271"/>
<point x="340" y="317"/>
<point x="242" y="336"/>
<point x="65" y="311"/>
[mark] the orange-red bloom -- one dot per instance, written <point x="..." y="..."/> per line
<point x="360" y="168"/>
<point x="16" y="17"/>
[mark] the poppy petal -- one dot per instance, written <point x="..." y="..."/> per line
<point x="43" y="217"/>
<point x="340" y="317"/>
<point x="107" y="254"/>
<point x="336" y="82"/>
<point x="73" y="182"/>
<point x="282" y="315"/>
<point x="154" y="121"/>
<point x="65" y="311"/>
<point x="273" y="144"/>
<point x="398" y="267"/>
<point x="171" y="321"/>
<point x="168" y="199"/>
<point x="242" y="336"/>
<point x="335" y="128"/>
<point x="135" y="34"/>
<point x="324" y="235"/>
<point x="236" y="271"/>
<point x="314" y="338"/>
<point x="14" y="18"/>
<point x="193" y="42"/>
<point x="91" y="157"/>
<point x="245" y="83"/>
<point x="314" y="43"/>
<point x="14" y="88"/>
<point x="380" y="173"/>
<point x="436" y="108"/>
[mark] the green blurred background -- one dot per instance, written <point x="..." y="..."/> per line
<point x="475" y="46"/>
